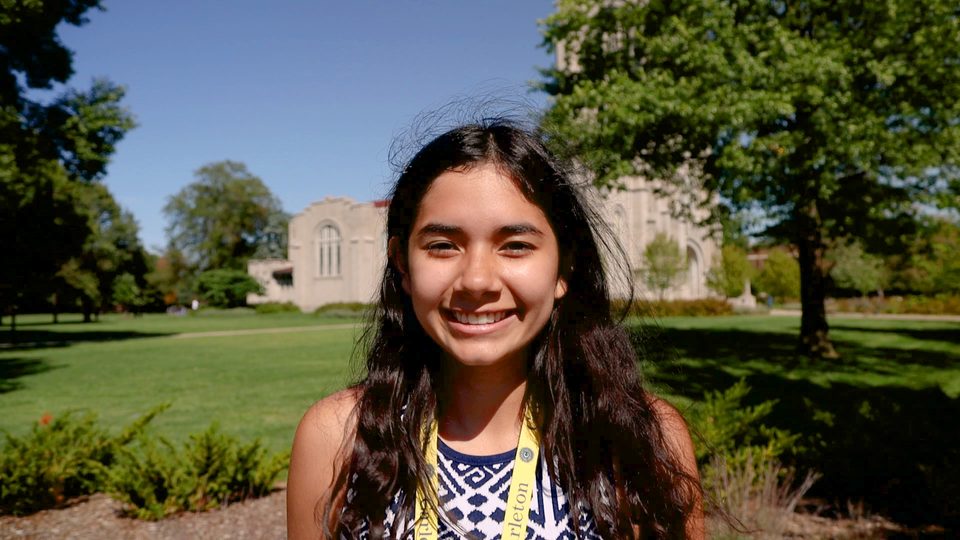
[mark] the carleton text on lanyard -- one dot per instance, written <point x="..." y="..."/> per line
<point x="519" y="499"/>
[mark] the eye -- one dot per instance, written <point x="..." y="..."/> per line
<point x="441" y="248"/>
<point x="516" y="248"/>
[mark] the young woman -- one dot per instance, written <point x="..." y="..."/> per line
<point x="501" y="400"/>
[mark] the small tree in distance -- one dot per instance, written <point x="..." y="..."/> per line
<point x="780" y="276"/>
<point x="853" y="268"/>
<point x="226" y="288"/>
<point x="730" y="271"/>
<point x="664" y="264"/>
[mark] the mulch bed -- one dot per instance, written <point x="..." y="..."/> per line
<point x="99" y="517"/>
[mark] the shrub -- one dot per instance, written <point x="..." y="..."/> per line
<point x="60" y="458"/>
<point x="755" y="491"/>
<point x="730" y="271"/>
<point x="725" y="426"/>
<point x="675" y="308"/>
<point x="742" y="476"/>
<point x="226" y="288"/>
<point x="342" y="309"/>
<point x="212" y="469"/>
<point x="276" y="307"/>
<point x="922" y="305"/>
<point x="780" y="276"/>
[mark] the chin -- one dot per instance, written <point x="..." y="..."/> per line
<point x="483" y="358"/>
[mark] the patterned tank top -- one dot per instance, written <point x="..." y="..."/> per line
<point x="473" y="494"/>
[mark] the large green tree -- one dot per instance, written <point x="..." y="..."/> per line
<point x="48" y="150"/>
<point x="833" y="116"/>
<point x="112" y="248"/>
<point x="220" y="219"/>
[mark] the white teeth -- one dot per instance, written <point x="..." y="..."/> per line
<point x="479" y="318"/>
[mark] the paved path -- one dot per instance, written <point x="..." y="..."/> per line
<point x="252" y="331"/>
<point x="887" y="316"/>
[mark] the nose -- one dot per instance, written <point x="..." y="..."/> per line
<point x="479" y="274"/>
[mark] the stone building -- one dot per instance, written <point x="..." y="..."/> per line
<point x="337" y="248"/>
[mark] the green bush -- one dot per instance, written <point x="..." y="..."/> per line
<point x="226" y="288"/>
<point x="731" y="430"/>
<point x="342" y="309"/>
<point x="276" y="307"/>
<point x="675" y="308"/>
<point x="923" y="305"/>
<point x="61" y="457"/>
<point x="739" y="459"/>
<point x="780" y="276"/>
<point x="729" y="271"/>
<point x="212" y="469"/>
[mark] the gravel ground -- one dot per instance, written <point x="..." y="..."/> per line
<point x="98" y="517"/>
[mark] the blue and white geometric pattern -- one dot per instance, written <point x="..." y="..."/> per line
<point x="473" y="497"/>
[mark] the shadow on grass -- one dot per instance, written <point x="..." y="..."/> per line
<point x="891" y="445"/>
<point x="27" y="339"/>
<point x="12" y="369"/>
<point x="947" y="335"/>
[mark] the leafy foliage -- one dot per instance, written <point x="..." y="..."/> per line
<point x="853" y="268"/>
<point x="218" y="221"/>
<point x="50" y="154"/>
<point x="780" y="275"/>
<point x="128" y="294"/>
<point x="60" y="458"/>
<point x="703" y="307"/>
<point x="833" y="117"/>
<point x="342" y="309"/>
<point x="71" y="455"/>
<point x="941" y="304"/>
<point x="933" y="265"/>
<point x="730" y="271"/>
<point x="226" y="288"/>
<point x="664" y="264"/>
<point x="276" y="307"/>
<point x="728" y="428"/>
<point x="212" y="469"/>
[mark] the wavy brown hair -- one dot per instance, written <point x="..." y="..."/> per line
<point x="600" y="434"/>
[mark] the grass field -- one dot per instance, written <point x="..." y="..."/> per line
<point x="255" y="385"/>
<point x="880" y="423"/>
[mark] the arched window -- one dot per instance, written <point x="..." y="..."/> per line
<point x="328" y="251"/>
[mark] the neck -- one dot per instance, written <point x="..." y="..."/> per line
<point x="482" y="407"/>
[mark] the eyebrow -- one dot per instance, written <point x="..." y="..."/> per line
<point x="506" y="230"/>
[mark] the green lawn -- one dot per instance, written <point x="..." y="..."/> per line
<point x="880" y="423"/>
<point x="254" y="385"/>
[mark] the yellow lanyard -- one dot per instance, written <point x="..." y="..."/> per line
<point x="517" y="512"/>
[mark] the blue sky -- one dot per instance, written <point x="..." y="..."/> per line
<point x="308" y="94"/>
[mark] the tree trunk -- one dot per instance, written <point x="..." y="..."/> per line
<point x="814" y="331"/>
<point x="87" y="311"/>
<point x="56" y="308"/>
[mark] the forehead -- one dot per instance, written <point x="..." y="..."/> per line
<point x="481" y="194"/>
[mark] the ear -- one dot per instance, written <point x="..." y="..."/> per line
<point x="561" y="288"/>
<point x="399" y="261"/>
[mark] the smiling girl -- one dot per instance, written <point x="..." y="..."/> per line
<point x="501" y="400"/>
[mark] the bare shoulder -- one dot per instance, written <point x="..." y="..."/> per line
<point x="331" y="415"/>
<point x="676" y="436"/>
<point x="671" y="421"/>
<point x="321" y="448"/>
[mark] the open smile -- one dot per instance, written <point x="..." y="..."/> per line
<point x="478" y="321"/>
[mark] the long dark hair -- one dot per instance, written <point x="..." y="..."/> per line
<point x="600" y="435"/>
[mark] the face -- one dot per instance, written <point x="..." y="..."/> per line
<point x="481" y="267"/>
